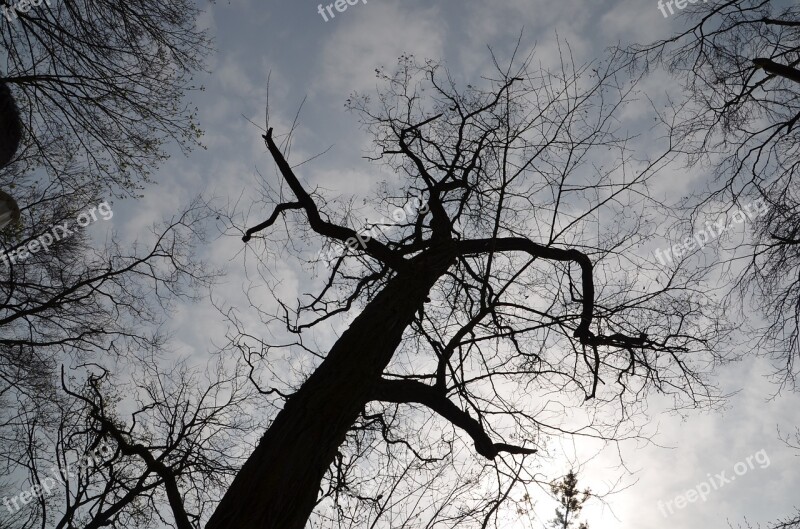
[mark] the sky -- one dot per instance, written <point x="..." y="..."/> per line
<point x="306" y="56"/>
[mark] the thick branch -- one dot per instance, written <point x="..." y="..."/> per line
<point x="785" y="240"/>
<point x="410" y="391"/>
<point x="328" y="229"/>
<point x="280" y="208"/>
<point x="173" y="493"/>
<point x="520" y="244"/>
<point x="440" y="225"/>
<point x="170" y="484"/>
<point x="775" y="68"/>
<point x="776" y="22"/>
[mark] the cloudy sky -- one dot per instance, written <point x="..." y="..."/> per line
<point x="324" y="61"/>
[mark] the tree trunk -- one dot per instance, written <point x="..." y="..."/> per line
<point x="278" y="485"/>
<point x="10" y="126"/>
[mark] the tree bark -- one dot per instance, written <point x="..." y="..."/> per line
<point x="278" y="485"/>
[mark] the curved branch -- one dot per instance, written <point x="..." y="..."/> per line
<point x="153" y="465"/>
<point x="280" y="208"/>
<point x="411" y="391"/>
<point x="522" y="244"/>
<point x="304" y="201"/>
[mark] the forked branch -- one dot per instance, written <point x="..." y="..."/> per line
<point x="304" y="201"/>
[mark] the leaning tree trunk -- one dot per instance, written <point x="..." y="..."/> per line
<point x="10" y="125"/>
<point x="277" y="486"/>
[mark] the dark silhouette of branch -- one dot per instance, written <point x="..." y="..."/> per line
<point x="127" y="448"/>
<point x="305" y="202"/>
<point x="778" y="69"/>
<point x="409" y="392"/>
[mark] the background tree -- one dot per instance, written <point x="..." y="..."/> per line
<point x="571" y="500"/>
<point x="89" y="311"/>
<point x="100" y="87"/>
<point x="162" y="464"/>
<point x="515" y="294"/>
<point x="173" y="454"/>
<point x="738" y="63"/>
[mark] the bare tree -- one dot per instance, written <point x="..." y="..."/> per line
<point x="180" y="442"/>
<point x="100" y="86"/>
<point x="76" y="307"/>
<point x="738" y="62"/>
<point x="516" y="292"/>
<point x="63" y="302"/>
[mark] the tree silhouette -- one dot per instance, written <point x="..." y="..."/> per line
<point x="571" y="501"/>
<point x="100" y="87"/>
<point x="476" y="315"/>
<point x="96" y="310"/>
<point x="738" y="62"/>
